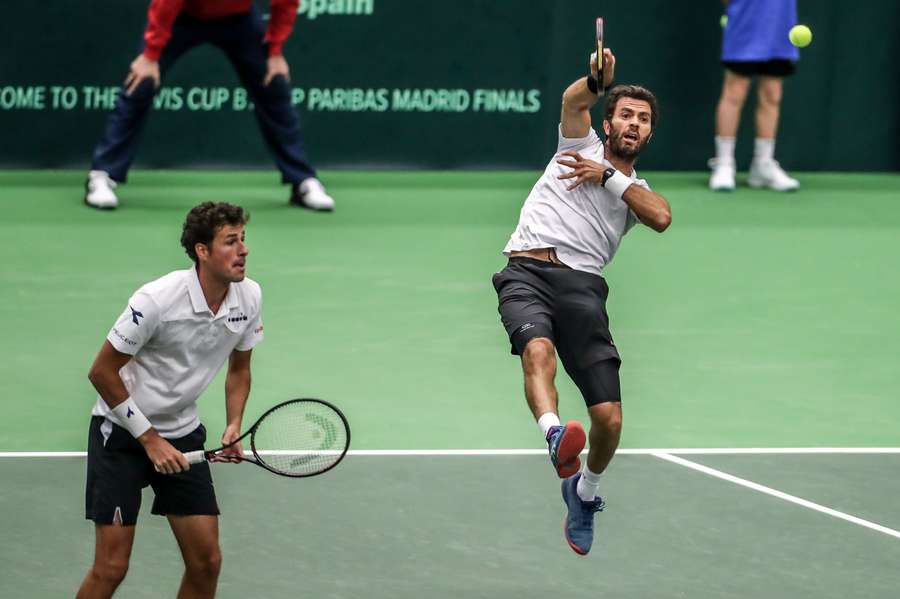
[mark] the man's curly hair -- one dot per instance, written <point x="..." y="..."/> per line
<point x="205" y="219"/>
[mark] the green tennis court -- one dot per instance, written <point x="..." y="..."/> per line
<point x="759" y="320"/>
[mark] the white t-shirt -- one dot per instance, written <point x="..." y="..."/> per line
<point x="584" y="225"/>
<point x="179" y="345"/>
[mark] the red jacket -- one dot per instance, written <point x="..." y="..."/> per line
<point x="162" y="14"/>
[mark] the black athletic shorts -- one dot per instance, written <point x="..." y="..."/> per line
<point x="118" y="469"/>
<point x="567" y="306"/>
<point x="777" y="67"/>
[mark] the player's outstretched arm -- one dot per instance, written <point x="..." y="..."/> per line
<point x="578" y="99"/>
<point x="104" y="375"/>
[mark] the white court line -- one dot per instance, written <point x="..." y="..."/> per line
<point x="505" y="452"/>
<point x="775" y="493"/>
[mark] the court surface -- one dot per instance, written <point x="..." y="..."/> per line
<point x="759" y="321"/>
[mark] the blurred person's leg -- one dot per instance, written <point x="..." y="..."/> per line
<point x="274" y="110"/>
<point x="116" y="150"/>
<point x="765" y="170"/>
<point x="728" y="112"/>
<point x="728" y="116"/>
<point x="768" y="91"/>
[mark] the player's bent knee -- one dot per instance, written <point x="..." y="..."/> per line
<point x="607" y="418"/>
<point x="538" y="353"/>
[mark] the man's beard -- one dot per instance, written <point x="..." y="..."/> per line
<point x="618" y="148"/>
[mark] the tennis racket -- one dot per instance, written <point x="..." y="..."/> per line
<point x="600" y="90"/>
<point x="297" y="438"/>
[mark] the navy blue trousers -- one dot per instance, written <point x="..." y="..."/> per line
<point x="241" y="38"/>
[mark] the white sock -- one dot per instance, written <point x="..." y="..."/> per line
<point x="725" y="149"/>
<point x="546" y="421"/>
<point x="764" y="149"/>
<point x="588" y="484"/>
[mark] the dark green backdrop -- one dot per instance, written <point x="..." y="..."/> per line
<point x="839" y="112"/>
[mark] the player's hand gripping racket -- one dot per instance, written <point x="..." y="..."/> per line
<point x="600" y="90"/>
<point x="297" y="438"/>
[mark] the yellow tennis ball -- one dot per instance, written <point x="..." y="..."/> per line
<point x="800" y="36"/>
<point x="723" y="21"/>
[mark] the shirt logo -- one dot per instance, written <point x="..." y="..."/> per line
<point x="135" y="315"/>
<point x="123" y="337"/>
<point x="237" y="318"/>
<point x="130" y="413"/>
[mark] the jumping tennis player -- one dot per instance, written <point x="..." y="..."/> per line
<point x="552" y="295"/>
<point x="169" y="343"/>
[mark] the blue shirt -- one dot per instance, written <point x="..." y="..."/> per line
<point x="757" y="30"/>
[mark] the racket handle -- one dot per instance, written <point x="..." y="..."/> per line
<point x="195" y="457"/>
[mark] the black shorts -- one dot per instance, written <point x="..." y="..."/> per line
<point x="567" y="306"/>
<point x="777" y="67"/>
<point x="118" y="469"/>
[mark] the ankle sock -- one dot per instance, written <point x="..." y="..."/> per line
<point x="588" y="484"/>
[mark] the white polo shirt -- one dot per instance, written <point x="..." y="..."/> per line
<point x="179" y="345"/>
<point x="586" y="224"/>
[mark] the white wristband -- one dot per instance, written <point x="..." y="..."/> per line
<point x="128" y="416"/>
<point x="618" y="183"/>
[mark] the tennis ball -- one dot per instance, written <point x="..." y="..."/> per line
<point x="723" y="21"/>
<point x="800" y="36"/>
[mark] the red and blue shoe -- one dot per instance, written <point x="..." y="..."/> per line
<point x="566" y="443"/>
<point x="579" y="523"/>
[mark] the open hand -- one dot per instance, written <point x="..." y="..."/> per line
<point x="583" y="170"/>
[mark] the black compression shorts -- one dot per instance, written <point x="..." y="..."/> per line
<point x="568" y="307"/>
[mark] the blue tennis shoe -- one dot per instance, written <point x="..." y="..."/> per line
<point x="579" y="523"/>
<point x="566" y="443"/>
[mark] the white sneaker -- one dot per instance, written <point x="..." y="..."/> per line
<point x="768" y="173"/>
<point x="311" y="194"/>
<point x="99" y="191"/>
<point x="722" y="178"/>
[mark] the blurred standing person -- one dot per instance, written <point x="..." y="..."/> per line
<point x="254" y="50"/>
<point x="754" y="44"/>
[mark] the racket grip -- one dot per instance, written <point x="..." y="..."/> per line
<point x="195" y="457"/>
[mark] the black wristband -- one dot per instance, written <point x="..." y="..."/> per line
<point x="592" y="84"/>
<point x="606" y="176"/>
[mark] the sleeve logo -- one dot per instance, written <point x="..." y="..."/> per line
<point x="135" y="315"/>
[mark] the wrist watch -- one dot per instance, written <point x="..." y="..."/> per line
<point x="606" y="175"/>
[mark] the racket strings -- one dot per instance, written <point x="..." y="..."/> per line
<point x="301" y="438"/>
